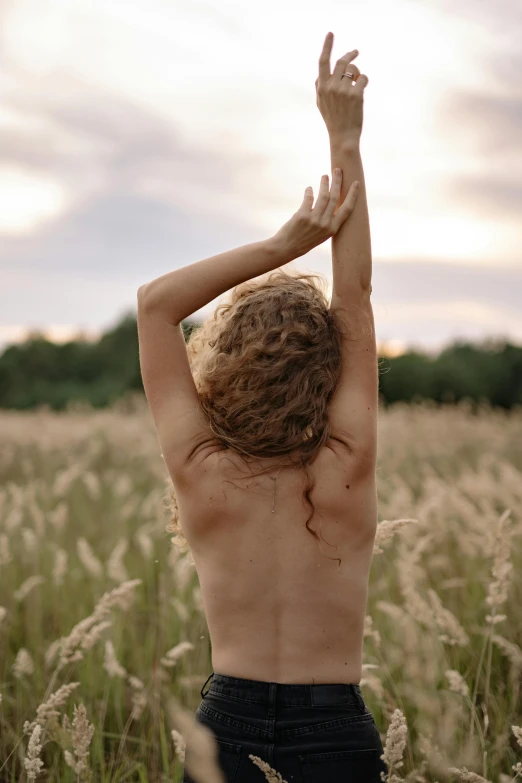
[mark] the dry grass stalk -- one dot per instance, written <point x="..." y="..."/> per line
<point x="502" y="569"/>
<point x="32" y="762"/>
<point x="172" y="657"/>
<point x="467" y="776"/>
<point x="517" y="731"/>
<point x="87" y="631"/>
<point x="179" y="745"/>
<point x="457" y="683"/>
<point x="88" y="559"/>
<point x="270" y="774"/>
<point x="450" y="630"/>
<point x="61" y="559"/>
<point x="115" y="567"/>
<point x="81" y="733"/>
<point x="23" y="664"/>
<point x="387" y="529"/>
<point x="111" y="664"/>
<point x="201" y="755"/>
<point x="48" y="710"/>
<point x="396" y="737"/>
<point x="27" y="586"/>
<point x="453" y="471"/>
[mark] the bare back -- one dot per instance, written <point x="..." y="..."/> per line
<point x="279" y="605"/>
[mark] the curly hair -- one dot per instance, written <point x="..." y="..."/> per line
<point x="266" y="366"/>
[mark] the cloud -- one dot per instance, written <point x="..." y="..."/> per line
<point x="148" y="189"/>
<point x="141" y="197"/>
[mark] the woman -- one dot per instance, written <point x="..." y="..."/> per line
<point x="268" y="427"/>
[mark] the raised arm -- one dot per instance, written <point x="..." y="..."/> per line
<point x="353" y="408"/>
<point x="341" y="106"/>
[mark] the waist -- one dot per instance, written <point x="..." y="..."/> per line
<point x="273" y="693"/>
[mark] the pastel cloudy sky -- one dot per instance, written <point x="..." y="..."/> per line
<point x="138" y="136"/>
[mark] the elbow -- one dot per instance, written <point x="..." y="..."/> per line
<point x="143" y="296"/>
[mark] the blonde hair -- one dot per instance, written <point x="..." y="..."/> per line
<point x="266" y="365"/>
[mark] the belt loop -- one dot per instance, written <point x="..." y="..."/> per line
<point x="272" y="698"/>
<point x="359" y="696"/>
<point x="203" y="688"/>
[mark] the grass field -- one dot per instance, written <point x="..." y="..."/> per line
<point x="98" y="606"/>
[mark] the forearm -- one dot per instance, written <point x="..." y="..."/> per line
<point x="182" y="292"/>
<point x="351" y="246"/>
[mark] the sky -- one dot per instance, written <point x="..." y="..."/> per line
<point x="138" y="136"/>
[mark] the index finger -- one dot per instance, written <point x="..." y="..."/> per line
<point x="324" y="60"/>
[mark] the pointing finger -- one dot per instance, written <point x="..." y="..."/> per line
<point x="324" y="60"/>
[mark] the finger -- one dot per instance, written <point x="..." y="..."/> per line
<point x="340" y="65"/>
<point x="346" y="82"/>
<point x="324" y="195"/>
<point x="362" y="81"/>
<point x="335" y="193"/>
<point x="308" y="200"/>
<point x="347" y="207"/>
<point x="324" y="60"/>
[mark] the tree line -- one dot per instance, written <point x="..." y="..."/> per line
<point x="39" y="372"/>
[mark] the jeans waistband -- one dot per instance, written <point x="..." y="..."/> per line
<point x="283" y="693"/>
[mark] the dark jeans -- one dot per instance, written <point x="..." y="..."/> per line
<point x="308" y="733"/>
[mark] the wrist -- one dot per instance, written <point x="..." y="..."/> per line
<point x="345" y="143"/>
<point x="279" y="250"/>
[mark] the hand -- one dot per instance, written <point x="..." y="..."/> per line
<point x="311" y="227"/>
<point x="340" y="102"/>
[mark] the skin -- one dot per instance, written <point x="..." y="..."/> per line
<point x="279" y="606"/>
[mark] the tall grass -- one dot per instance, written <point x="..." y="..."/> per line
<point x="103" y="641"/>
